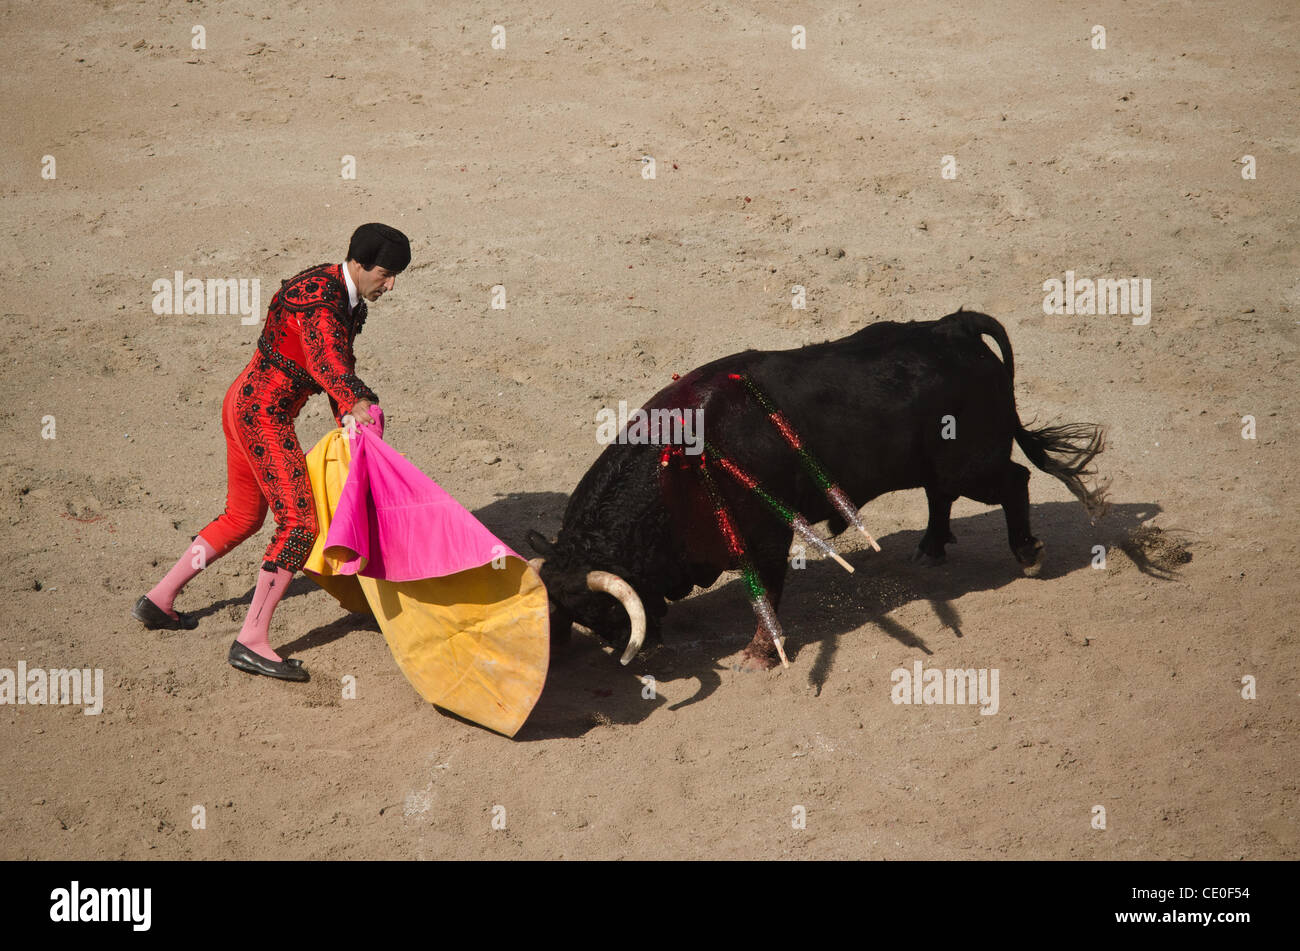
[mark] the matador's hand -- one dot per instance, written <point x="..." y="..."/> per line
<point x="361" y="412"/>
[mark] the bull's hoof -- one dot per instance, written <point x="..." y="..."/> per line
<point x="752" y="662"/>
<point x="1031" y="559"/>
<point x="922" y="557"/>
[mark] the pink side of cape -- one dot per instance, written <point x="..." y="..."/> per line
<point x="395" y="523"/>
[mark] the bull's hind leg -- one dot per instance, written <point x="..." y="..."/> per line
<point x="937" y="533"/>
<point x="1010" y="489"/>
<point x="1015" y="505"/>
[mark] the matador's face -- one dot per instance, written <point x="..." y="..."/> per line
<point x="374" y="283"/>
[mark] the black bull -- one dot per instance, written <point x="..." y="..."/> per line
<point x="893" y="406"/>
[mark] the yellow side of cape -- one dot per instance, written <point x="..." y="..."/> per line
<point x="327" y="467"/>
<point x="476" y="643"/>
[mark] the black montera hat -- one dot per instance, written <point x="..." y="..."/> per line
<point x="375" y="244"/>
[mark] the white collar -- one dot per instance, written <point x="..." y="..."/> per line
<point x="352" y="288"/>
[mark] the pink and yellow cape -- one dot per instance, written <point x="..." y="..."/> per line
<point x="465" y="617"/>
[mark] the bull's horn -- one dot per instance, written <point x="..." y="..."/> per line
<point x="536" y="564"/>
<point x="613" y="584"/>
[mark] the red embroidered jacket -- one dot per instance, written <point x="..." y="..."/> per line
<point x="306" y="345"/>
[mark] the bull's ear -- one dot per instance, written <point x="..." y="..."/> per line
<point x="537" y="541"/>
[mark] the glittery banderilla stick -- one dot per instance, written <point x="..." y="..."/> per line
<point x="795" y="520"/>
<point x="850" y="514"/>
<point x="833" y="492"/>
<point x="753" y="584"/>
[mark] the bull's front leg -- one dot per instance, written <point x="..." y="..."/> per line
<point x="561" y="628"/>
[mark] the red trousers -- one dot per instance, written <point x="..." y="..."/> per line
<point x="265" y="468"/>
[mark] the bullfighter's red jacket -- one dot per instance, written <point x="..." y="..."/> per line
<point x="308" y="337"/>
<point x="305" y="348"/>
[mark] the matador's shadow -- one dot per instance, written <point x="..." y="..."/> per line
<point x="509" y="518"/>
<point x="300" y="585"/>
<point x="587" y="687"/>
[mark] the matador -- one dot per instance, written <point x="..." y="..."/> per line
<point x="305" y="347"/>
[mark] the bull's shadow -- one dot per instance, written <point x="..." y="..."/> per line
<point x="587" y="687"/>
<point x="511" y="516"/>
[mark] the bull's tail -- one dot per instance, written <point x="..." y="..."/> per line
<point x="978" y="324"/>
<point x="1064" y="451"/>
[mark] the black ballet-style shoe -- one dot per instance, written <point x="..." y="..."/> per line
<point x="241" y="658"/>
<point x="156" y="619"/>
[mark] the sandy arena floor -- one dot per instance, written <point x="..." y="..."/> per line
<point x="1121" y="686"/>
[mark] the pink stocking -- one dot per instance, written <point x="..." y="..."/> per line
<point x="254" y="635"/>
<point x="197" y="557"/>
